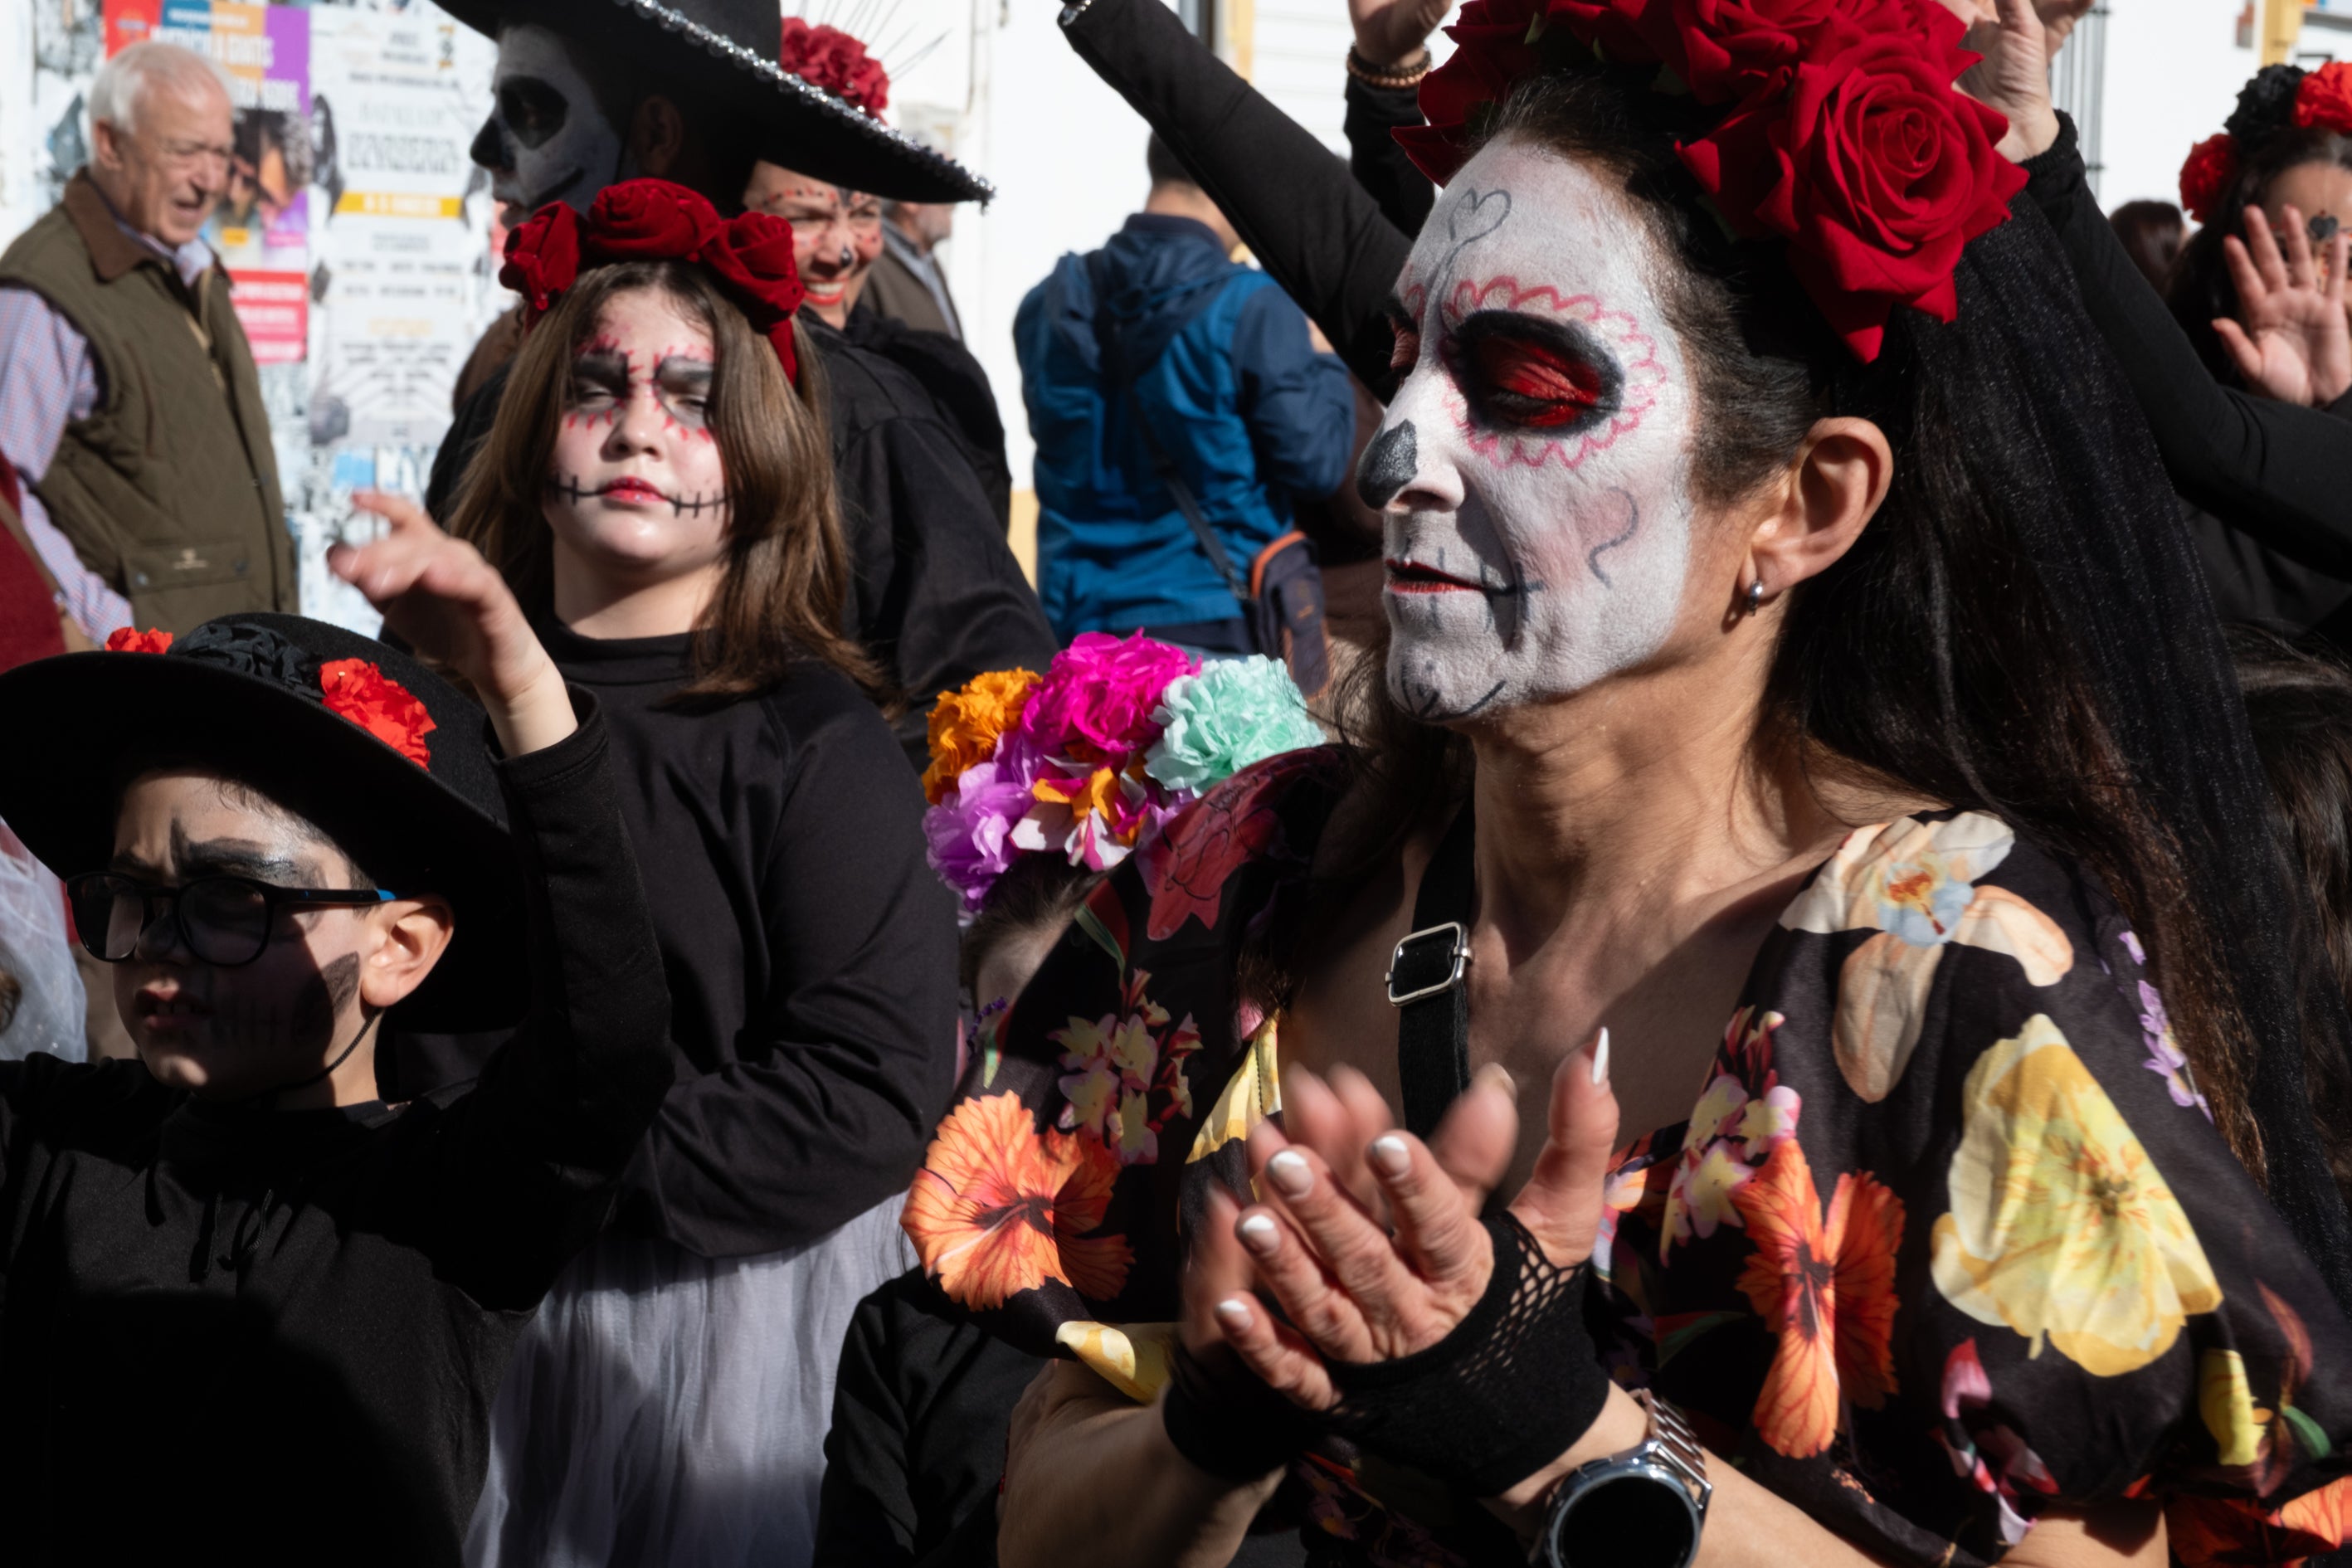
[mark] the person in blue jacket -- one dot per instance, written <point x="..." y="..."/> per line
<point x="1160" y="340"/>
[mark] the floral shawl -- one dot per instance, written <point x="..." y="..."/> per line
<point x="1947" y="1239"/>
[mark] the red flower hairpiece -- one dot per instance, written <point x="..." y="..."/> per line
<point x="830" y="58"/>
<point x="382" y="705"/>
<point x="1841" y="135"/>
<point x="2207" y="175"/>
<point x="2323" y="99"/>
<point x="125" y="639"/>
<point x="749" y="257"/>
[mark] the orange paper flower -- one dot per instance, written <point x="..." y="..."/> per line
<point x="124" y="640"/>
<point x="999" y="1208"/>
<point x="965" y="724"/>
<point x="383" y="707"/>
<point x="1826" y="1287"/>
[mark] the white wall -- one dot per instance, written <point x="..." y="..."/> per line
<point x="2173" y="71"/>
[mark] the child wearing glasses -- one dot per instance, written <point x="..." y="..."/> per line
<point x="277" y="1306"/>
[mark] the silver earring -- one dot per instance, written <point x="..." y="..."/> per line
<point x="1755" y="595"/>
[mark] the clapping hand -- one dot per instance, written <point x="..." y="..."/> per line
<point x="1371" y="1240"/>
<point x="454" y="606"/>
<point x="2292" y="341"/>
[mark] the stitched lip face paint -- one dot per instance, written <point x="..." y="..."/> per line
<point x="1534" y="463"/>
<point x="636" y="481"/>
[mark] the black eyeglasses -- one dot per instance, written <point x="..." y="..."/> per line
<point x="224" y="920"/>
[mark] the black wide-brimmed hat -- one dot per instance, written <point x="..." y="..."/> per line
<point x="726" y="53"/>
<point x="365" y="741"/>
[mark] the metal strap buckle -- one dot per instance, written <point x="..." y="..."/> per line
<point x="1458" y="939"/>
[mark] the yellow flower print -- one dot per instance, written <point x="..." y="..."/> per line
<point x="1250" y="1096"/>
<point x="1131" y="1357"/>
<point x="2061" y="1226"/>
<point x="2226" y="1400"/>
<point x="1915" y="882"/>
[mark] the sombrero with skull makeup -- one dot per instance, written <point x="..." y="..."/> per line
<point x="728" y="54"/>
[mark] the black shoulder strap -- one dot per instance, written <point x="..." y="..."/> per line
<point x="1118" y="375"/>
<point x="1434" y="1023"/>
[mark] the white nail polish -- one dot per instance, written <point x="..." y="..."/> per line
<point x="1390" y="1156"/>
<point x="1235" y="1313"/>
<point x="1259" y="1233"/>
<point x="1600" y="1057"/>
<point x="1290" y="1174"/>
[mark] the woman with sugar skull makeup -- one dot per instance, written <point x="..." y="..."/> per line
<point x="1800" y="702"/>
<point x="657" y="488"/>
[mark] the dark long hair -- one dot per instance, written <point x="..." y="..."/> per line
<point x="2022" y="629"/>
<point x="787" y="567"/>
<point x="2200" y="291"/>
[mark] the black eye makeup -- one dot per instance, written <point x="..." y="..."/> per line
<point x="1530" y="373"/>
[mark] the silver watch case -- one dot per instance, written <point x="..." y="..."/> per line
<point x="1669" y="1465"/>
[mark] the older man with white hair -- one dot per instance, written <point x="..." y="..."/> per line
<point x="129" y="405"/>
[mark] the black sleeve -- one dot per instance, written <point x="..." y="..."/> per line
<point x="1316" y="231"/>
<point x="2280" y="473"/>
<point x="1377" y="162"/>
<point x="938" y="595"/>
<point x="920" y="1408"/>
<point x="851" y="1056"/>
<point x="520" y="1173"/>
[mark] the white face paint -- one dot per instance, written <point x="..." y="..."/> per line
<point x="547" y="139"/>
<point x="1534" y="464"/>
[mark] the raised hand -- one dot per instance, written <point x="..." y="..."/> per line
<point x="1391" y="31"/>
<point x="2292" y="340"/>
<point x="454" y="606"/>
<point x="2017" y="39"/>
<point x="1356" y="1290"/>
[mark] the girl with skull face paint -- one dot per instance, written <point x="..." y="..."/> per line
<point x="1861" y="801"/>
<point x="657" y="487"/>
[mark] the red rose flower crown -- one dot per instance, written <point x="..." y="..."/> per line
<point x="2277" y="97"/>
<point x="1833" y="126"/>
<point x="749" y="257"/>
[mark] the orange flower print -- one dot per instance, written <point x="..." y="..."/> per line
<point x="1826" y="1287"/>
<point x="2207" y="1532"/>
<point x="998" y="1209"/>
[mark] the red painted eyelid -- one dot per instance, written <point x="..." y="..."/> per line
<point x="1534" y="371"/>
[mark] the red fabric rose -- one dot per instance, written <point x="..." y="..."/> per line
<point x="1491" y="54"/>
<point x="2323" y="101"/>
<point x="649" y="220"/>
<point x="830" y="58"/>
<point x="125" y="639"/>
<point x="1724" y="50"/>
<point x="2206" y="176"/>
<point x="543" y="256"/>
<point x="753" y="261"/>
<point x="1874" y="170"/>
<point x="383" y="707"/>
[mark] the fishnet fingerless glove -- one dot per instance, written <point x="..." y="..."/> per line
<point x="1505" y="1393"/>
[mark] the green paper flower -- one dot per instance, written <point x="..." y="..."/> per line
<point x="1215" y="723"/>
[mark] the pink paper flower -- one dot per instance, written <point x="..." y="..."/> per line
<point x="1096" y="701"/>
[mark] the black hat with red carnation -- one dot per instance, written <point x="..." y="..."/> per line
<point x="386" y="757"/>
<point x="812" y="101"/>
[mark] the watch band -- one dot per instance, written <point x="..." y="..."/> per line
<point x="1668" y="1463"/>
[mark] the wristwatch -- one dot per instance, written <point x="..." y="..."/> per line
<point x="1640" y="1509"/>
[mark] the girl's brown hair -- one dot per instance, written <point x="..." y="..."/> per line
<point x="787" y="574"/>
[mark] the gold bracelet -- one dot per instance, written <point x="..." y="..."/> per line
<point x="1396" y="78"/>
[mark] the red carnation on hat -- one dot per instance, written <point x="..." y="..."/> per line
<point x="1875" y="173"/>
<point x="2323" y="101"/>
<point x="363" y="694"/>
<point x="830" y="58"/>
<point x="2207" y="175"/>
<point x="125" y="639"/>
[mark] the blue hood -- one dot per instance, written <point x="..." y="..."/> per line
<point x="1159" y="272"/>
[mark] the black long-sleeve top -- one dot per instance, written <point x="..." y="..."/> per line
<point x="2280" y="473"/>
<point x="275" y="1335"/>
<point x="811" y="953"/>
<point x="936" y="596"/>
